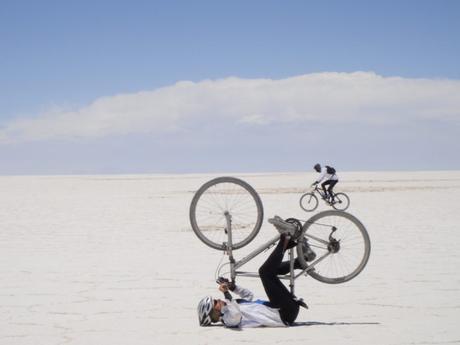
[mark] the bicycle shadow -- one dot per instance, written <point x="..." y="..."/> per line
<point x="317" y="323"/>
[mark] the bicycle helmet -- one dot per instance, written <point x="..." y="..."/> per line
<point x="317" y="167"/>
<point x="204" y="310"/>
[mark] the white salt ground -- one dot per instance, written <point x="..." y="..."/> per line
<point x="113" y="260"/>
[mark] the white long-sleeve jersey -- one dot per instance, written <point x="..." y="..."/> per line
<point x="325" y="176"/>
<point x="249" y="313"/>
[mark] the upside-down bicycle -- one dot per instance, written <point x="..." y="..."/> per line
<point x="226" y="213"/>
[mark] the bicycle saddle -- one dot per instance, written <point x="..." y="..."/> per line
<point x="283" y="226"/>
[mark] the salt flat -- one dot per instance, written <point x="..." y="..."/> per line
<point x="113" y="260"/>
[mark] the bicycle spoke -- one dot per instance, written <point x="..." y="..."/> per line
<point x="223" y="196"/>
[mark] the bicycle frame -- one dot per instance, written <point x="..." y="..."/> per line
<point x="235" y="265"/>
<point x="319" y="191"/>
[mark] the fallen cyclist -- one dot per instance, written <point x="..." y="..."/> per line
<point x="280" y="310"/>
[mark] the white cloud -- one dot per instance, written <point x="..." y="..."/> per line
<point x="360" y="97"/>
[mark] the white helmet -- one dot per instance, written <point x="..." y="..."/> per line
<point x="204" y="310"/>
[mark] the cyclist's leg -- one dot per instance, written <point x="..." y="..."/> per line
<point x="285" y="266"/>
<point x="277" y="293"/>
<point x="331" y="187"/>
<point x="324" y="184"/>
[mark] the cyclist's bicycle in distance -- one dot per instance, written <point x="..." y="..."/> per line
<point x="309" y="201"/>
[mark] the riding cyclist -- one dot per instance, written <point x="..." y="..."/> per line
<point x="329" y="175"/>
<point x="281" y="309"/>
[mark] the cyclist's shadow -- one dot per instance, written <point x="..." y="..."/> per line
<point x="311" y="323"/>
<point x="317" y="323"/>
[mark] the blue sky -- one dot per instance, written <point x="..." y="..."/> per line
<point x="59" y="58"/>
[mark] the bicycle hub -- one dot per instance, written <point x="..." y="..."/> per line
<point x="333" y="246"/>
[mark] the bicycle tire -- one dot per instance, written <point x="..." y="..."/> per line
<point x="349" y="229"/>
<point x="342" y="201"/>
<point x="213" y="199"/>
<point x="308" y="202"/>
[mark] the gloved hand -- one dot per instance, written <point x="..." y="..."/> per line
<point x="225" y="281"/>
<point x="314" y="183"/>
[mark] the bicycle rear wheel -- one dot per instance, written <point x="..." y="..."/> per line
<point x="342" y="201"/>
<point x="341" y="244"/>
<point x="226" y="195"/>
<point x="308" y="202"/>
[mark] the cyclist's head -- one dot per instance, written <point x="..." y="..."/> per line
<point x="207" y="312"/>
<point x="317" y="167"/>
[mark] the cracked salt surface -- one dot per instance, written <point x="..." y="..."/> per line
<point x="112" y="260"/>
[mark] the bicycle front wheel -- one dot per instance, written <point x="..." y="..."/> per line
<point x="341" y="244"/>
<point x="226" y="196"/>
<point x="308" y="202"/>
<point x="341" y="201"/>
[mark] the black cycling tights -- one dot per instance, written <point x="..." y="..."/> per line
<point x="277" y="293"/>
<point x="331" y="184"/>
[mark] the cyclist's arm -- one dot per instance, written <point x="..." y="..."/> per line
<point x="321" y="176"/>
<point x="238" y="290"/>
<point x="243" y="293"/>
<point x="231" y="314"/>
